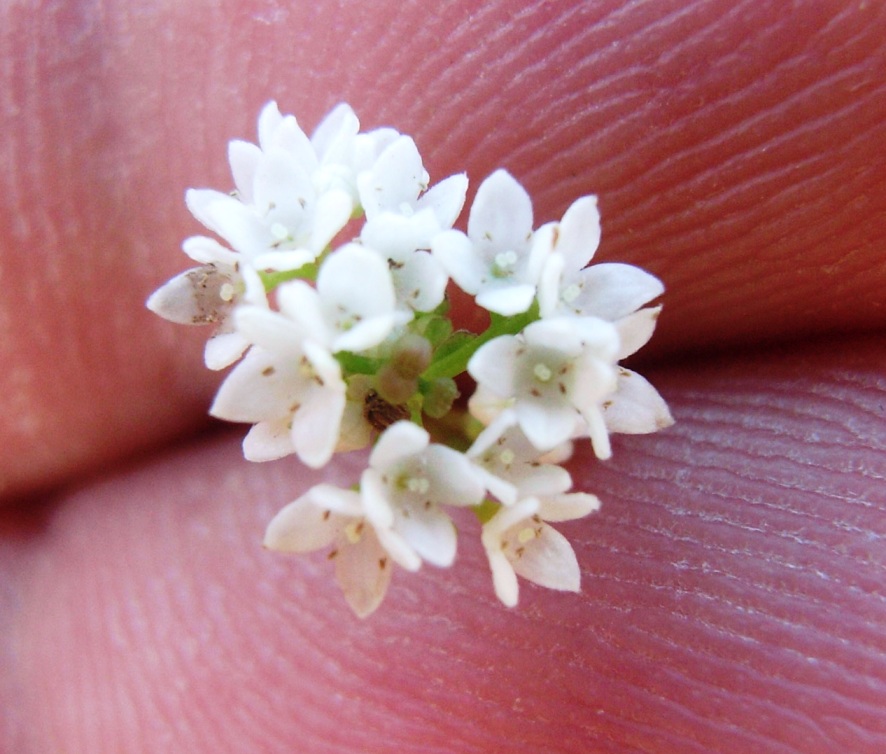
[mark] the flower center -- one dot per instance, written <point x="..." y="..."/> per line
<point x="504" y="263"/>
<point x="571" y="293"/>
<point x="542" y="372"/>
<point x="418" y="485"/>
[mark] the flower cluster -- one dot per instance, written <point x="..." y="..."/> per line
<point x="327" y="288"/>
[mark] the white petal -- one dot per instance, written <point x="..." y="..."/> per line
<point x="369" y="333"/>
<point x="191" y="297"/>
<point x="335" y="283"/>
<point x="549" y="285"/>
<point x="545" y="423"/>
<point x="612" y="291"/>
<point x="506" y="299"/>
<point x="301" y="526"/>
<point x="396" y="178"/>
<point x="374" y="494"/>
<point x="446" y="199"/>
<point x="494" y="363"/>
<point x="598" y="432"/>
<point x="636" y="407"/>
<point x="397" y="442"/>
<point x="270" y="330"/>
<point x="504" y="579"/>
<point x="397" y="547"/>
<point x="565" y="334"/>
<point x="344" y="502"/>
<point x="269" y="120"/>
<point x="316" y="424"/>
<point x="223" y="349"/>
<point x="283" y="260"/>
<point x="209" y="251"/>
<point x="543" y="479"/>
<point x="339" y="126"/>
<point x="635" y="330"/>
<point x="268" y="441"/>
<point x="485" y="405"/>
<point x="258" y="389"/>
<point x="301" y="303"/>
<point x="568" y="506"/>
<point x="430" y="533"/>
<point x="243" y="158"/>
<point x="579" y="232"/>
<point x="501" y="215"/>
<point x="456" y="253"/>
<point x="548" y="560"/>
<point x="331" y="214"/>
<point x="230" y="219"/>
<point x="363" y="571"/>
<point x="421" y="282"/>
<point x="453" y="477"/>
<point x="395" y="236"/>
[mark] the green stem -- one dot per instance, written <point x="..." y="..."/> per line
<point x="455" y="363"/>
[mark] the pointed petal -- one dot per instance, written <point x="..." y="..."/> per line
<point x="504" y="579"/>
<point x="446" y="199"/>
<point x="506" y="300"/>
<point x="612" y="291"/>
<point x="579" y="234"/>
<point x="397" y="442"/>
<point x="568" y="506"/>
<point x="636" y="407"/>
<point x="243" y="158"/>
<point x="269" y="120"/>
<point x="546" y="424"/>
<point x="339" y="125"/>
<point x="363" y="571"/>
<point x="501" y="215"/>
<point x="494" y="363"/>
<point x="191" y="297"/>
<point x="316" y="425"/>
<point x="430" y="533"/>
<point x="374" y="494"/>
<point x="223" y="349"/>
<point x="548" y="560"/>
<point x="456" y="253"/>
<point x="268" y="441"/>
<point x="209" y="251"/>
<point x="331" y="214"/>
<point x="635" y="330"/>
<point x="260" y="388"/>
<point x="453" y="477"/>
<point x="270" y="330"/>
<point x="301" y="526"/>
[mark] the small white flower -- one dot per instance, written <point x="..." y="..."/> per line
<point x="512" y="467"/>
<point x="353" y="307"/>
<point x="518" y="541"/>
<point x="401" y="221"/>
<point x="207" y="295"/>
<point x="569" y="287"/>
<point x="289" y="387"/>
<point x="329" y="517"/>
<point x="500" y="259"/>
<point x="553" y="374"/>
<point x="407" y="482"/>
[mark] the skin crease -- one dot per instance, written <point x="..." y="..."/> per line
<point x="732" y="583"/>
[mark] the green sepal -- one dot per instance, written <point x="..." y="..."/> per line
<point x="486" y="510"/>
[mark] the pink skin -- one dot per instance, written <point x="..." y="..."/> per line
<point x="732" y="584"/>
